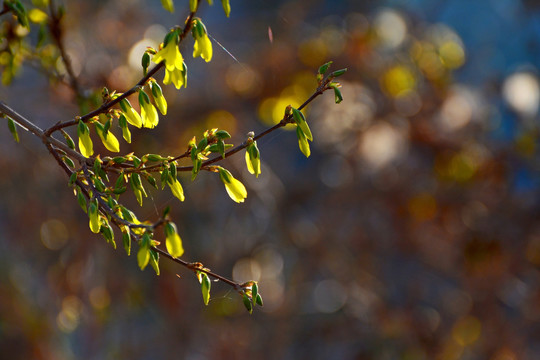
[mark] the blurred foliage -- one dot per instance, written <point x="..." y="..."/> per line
<point x="411" y="232"/>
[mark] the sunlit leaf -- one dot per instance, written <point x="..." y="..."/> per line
<point x="159" y="99"/>
<point x="143" y="254"/>
<point x="86" y="146"/>
<point x="149" y="113"/>
<point x="126" y="134"/>
<point x="131" y="115"/>
<point x="236" y="190"/>
<point x="206" y="284"/>
<point x="169" y="6"/>
<point x="173" y="242"/>
<point x="93" y="215"/>
<point x="303" y="142"/>
<point x="108" y="138"/>
<point x="193" y="5"/>
<point x="253" y="159"/>
<point x="300" y="120"/>
<point x="37" y="16"/>
<point x="226" y="7"/>
<point x="176" y="189"/>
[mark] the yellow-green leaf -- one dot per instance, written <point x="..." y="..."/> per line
<point x="177" y="189"/>
<point x="173" y="242"/>
<point x="226" y="7"/>
<point x="37" y="16"/>
<point x="253" y="159"/>
<point x="93" y="215"/>
<point x="143" y="254"/>
<point x="86" y="146"/>
<point x="126" y="134"/>
<point x="108" y="139"/>
<point x="236" y="190"/>
<point x="149" y="113"/>
<point x="193" y="5"/>
<point x="159" y="99"/>
<point x="131" y="115"/>
<point x="303" y="142"/>
<point x="205" y="287"/>
<point x="300" y="120"/>
<point x="169" y="6"/>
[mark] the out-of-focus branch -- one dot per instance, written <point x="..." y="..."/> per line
<point x="55" y="28"/>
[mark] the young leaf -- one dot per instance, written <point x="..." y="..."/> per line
<point x="131" y="115"/>
<point x="159" y="99"/>
<point x="176" y="189"/>
<point x="236" y="190"/>
<point x="247" y="303"/>
<point x="164" y="177"/>
<point x="68" y="162"/>
<point x="303" y="142"/>
<point x="173" y="241"/>
<point x="226" y="7"/>
<point x="85" y="142"/>
<point x="108" y="233"/>
<point x="259" y="300"/>
<point x="193" y="5"/>
<point x="136" y="186"/>
<point x="126" y="134"/>
<point x="300" y="120"/>
<point x="149" y="113"/>
<point x="324" y="68"/>
<point x="206" y="283"/>
<point x="337" y="95"/>
<point x="68" y="138"/>
<point x="107" y="138"/>
<point x="81" y="199"/>
<point x="254" y="291"/>
<point x="169" y="6"/>
<point x="13" y="129"/>
<point x="143" y="254"/>
<point x="253" y="159"/>
<point x="93" y="215"/>
<point x="126" y="240"/>
<point x="154" y="260"/>
<point x="145" y="62"/>
<point x="338" y="73"/>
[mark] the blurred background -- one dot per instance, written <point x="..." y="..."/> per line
<point x="412" y="232"/>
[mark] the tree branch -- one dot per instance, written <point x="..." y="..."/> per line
<point x="34" y="129"/>
<point x="106" y="106"/>
<point x="55" y="29"/>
